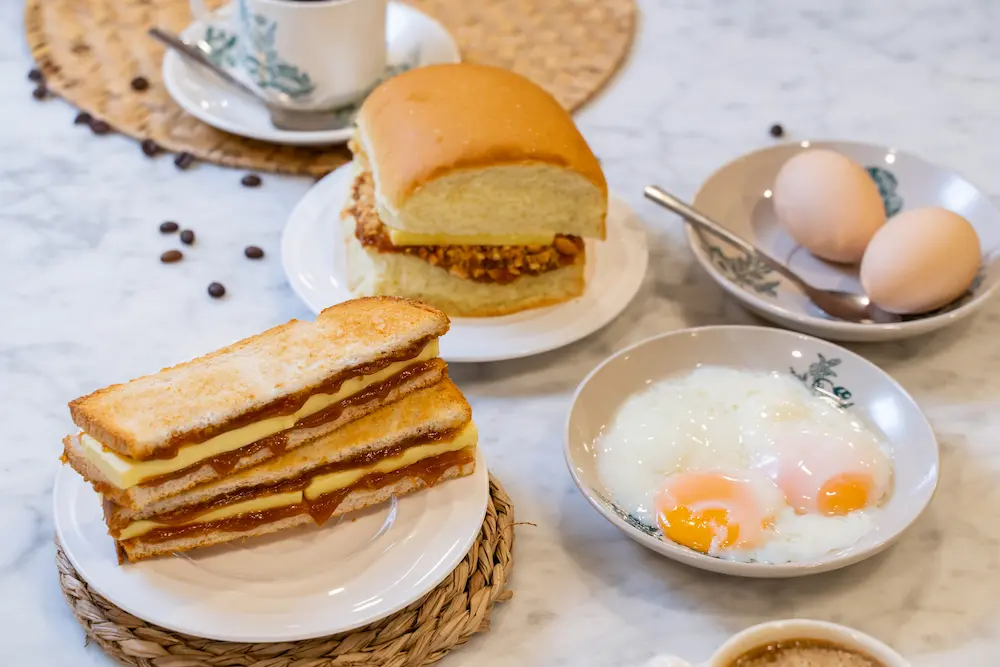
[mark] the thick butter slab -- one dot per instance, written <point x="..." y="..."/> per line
<point x="321" y="485"/>
<point x="404" y="238"/>
<point x="125" y="473"/>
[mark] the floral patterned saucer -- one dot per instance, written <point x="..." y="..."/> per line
<point x="738" y="196"/>
<point x="414" y="39"/>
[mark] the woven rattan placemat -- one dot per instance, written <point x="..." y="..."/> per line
<point x="421" y="634"/>
<point x="90" y="50"/>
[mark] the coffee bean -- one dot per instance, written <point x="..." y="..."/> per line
<point x="140" y="83"/>
<point x="150" y="147"/>
<point x="169" y="227"/>
<point x="35" y="74"/>
<point x="187" y="237"/>
<point x="183" y="160"/>
<point x="251" y="181"/>
<point x="99" y="127"/>
<point x="253" y="252"/>
<point x="83" y="118"/>
<point x="216" y="290"/>
<point x="40" y="92"/>
<point x="777" y="131"/>
<point x="171" y="256"/>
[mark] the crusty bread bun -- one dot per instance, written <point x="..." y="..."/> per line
<point x="471" y="150"/>
<point x="372" y="272"/>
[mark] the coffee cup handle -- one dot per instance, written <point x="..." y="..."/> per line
<point x="199" y="10"/>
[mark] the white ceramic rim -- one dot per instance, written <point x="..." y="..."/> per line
<point x="626" y="290"/>
<point x="175" y="622"/>
<point x="174" y="69"/>
<point x="735" y="568"/>
<point x="847" y="329"/>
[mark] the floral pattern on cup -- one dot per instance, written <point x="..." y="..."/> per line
<point x="263" y="63"/>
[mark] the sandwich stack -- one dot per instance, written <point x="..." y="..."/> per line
<point x="473" y="192"/>
<point x="291" y="427"/>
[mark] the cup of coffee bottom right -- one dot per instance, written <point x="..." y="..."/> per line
<point x="798" y="643"/>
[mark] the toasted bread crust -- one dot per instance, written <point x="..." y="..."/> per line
<point x="185" y="402"/>
<point x="135" y="549"/>
<point x="140" y="497"/>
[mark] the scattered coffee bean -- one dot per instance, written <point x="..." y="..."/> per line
<point x="35" y="74"/>
<point x="253" y="252"/>
<point x="777" y="130"/>
<point x="169" y="227"/>
<point x="183" y="160"/>
<point x="40" y="92"/>
<point x="187" y="237"/>
<point x="83" y="118"/>
<point x="171" y="256"/>
<point x="150" y="147"/>
<point x="140" y="83"/>
<point x="99" y="127"/>
<point x="216" y="290"/>
<point x="251" y="181"/>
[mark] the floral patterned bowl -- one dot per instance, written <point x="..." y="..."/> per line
<point x="859" y="386"/>
<point x="738" y="196"/>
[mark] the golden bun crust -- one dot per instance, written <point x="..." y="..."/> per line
<point x="198" y="398"/>
<point x="435" y="120"/>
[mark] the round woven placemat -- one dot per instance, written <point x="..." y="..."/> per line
<point x="421" y="634"/>
<point x="90" y="50"/>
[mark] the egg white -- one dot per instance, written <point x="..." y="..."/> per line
<point x="725" y="419"/>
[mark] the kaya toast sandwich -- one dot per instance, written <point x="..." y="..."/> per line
<point x="473" y="192"/>
<point x="200" y="421"/>
<point x="423" y="439"/>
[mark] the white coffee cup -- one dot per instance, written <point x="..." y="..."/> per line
<point x="306" y="54"/>
<point x="778" y="631"/>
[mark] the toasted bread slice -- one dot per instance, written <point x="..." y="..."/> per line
<point x="136" y="549"/>
<point x="195" y="400"/>
<point x="138" y="498"/>
<point x="440" y="407"/>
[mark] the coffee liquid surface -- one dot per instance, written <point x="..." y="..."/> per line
<point x="804" y="653"/>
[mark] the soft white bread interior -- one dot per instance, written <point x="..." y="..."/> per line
<point x="372" y="272"/>
<point x="472" y="150"/>
<point x="143" y="416"/>
<point x="138" y="498"/>
<point x="135" y="549"/>
<point x="440" y="407"/>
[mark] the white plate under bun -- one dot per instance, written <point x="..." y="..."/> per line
<point x="874" y="395"/>
<point x="314" y="257"/>
<point x="737" y="196"/>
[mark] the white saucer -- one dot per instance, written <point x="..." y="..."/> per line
<point x="294" y="585"/>
<point x="414" y="39"/>
<point x="315" y="260"/>
<point x="738" y="196"/>
<point x="862" y="388"/>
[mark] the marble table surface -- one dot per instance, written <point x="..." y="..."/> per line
<point x="84" y="302"/>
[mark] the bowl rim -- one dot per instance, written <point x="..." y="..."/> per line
<point x="702" y="561"/>
<point x="692" y="235"/>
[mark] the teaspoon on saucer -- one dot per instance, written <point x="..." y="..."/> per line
<point x="281" y="118"/>
<point x="846" y="306"/>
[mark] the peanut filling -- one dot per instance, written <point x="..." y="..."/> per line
<point x="480" y="263"/>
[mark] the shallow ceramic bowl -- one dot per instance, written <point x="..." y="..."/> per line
<point x="738" y="197"/>
<point x="862" y="388"/>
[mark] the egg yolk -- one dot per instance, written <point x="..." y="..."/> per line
<point x="703" y="511"/>
<point x="845" y="493"/>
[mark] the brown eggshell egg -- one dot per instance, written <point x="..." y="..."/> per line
<point x="828" y="204"/>
<point x="920" y="260"/>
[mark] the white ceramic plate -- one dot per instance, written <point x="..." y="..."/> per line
<point x="315" y="261"/>
<point x="867" y="391"/>
<point x="738" y="197"/>
<point x="414" y="39"/>
<point x="293" y="585"/>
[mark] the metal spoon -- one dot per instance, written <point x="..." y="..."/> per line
<point x="281" y="118"/>
<point x="845" y="306"/>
